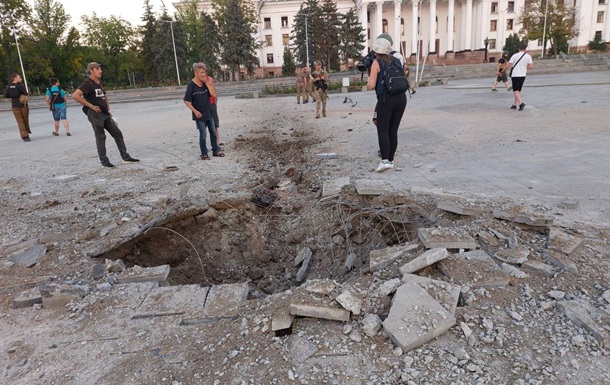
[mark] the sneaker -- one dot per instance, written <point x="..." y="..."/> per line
<point x="108" y="165"/>
<point x="413" y="92"/>
<point x="386" y="165"/>
<point x="55" y="133"/>
<point x="493" y="89"/>
<point x="509" y="89"/>
<point x="513" y="107"/>
<point x="131" y="160"/>
<point x="521" y="106"/>
<point x="26" y="139"/>
<point x="68" y="134"/>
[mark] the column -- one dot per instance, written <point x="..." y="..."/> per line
<point x="378" y="19"/>
<point x="365" y="25"/>
<point x="432" y="35"/>
<point x="468" y="41"/>
<point x="483" y="23"/>
<point x="414" y="9"/>
<point x="397" y="37"/>
<point x="606" y="36"/>
<point x="450" y="26"/>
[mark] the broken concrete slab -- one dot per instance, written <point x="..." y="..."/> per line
<point x="188" y="300"/>
<point x="475" y="269"/>
<point x="426" y="259"/>
<point x="327" y="155"/>
<point x="27" y="298"/>
<point x="323" y="312"/>
<point x="459" y="209"/>
<point x="437" y="193"/>
<point x="560" y="261"/>
<point x="225" y="301"/>
<point x="350" y="302"/>
<point x="57" y="296"/>
<point x="302" y="255"/>
<point x="415" y="318"/>
<point x="534" y="222"/>
<point x="448" y="238"/>
<point x="115" y="266"/>
<point x="578" y="312"/>
<point x="445" y="293"/>
<point x="513" y="271"/>
<point x="144" y="274"/>
<point x="539" y="268"/>
<point x="333" y="186"/>
<point x="282" y="320"/>
<point x="563" y="242"/>
<point x="488" y="238"/>
<point x="302" y="273"/>
<point x="379" y="259"/>
<point x="64" y="178"/>
<point x="130" y="295"/>
<point x="29" y="257"/>
<point x="320" y="286"/>
<point x="372" y="187"/>
<point x="513" y="256"/>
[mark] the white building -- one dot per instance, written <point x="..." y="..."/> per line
<point x="446" y="31"/>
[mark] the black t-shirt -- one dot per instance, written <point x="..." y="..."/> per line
<point x="199" y="97"/>
<point x="14" y="91"/>
<point x="95" y="94"/>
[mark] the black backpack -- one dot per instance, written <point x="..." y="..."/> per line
<point x="56" y="96"/>
<point x="394" y="79"/>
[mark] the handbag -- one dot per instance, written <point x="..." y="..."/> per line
<point x="24" y="99"/>
<point x="511" y="68"/>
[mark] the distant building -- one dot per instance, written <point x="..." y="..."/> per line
<point x="445" y="31"/>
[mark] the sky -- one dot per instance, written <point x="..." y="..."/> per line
<point x="130" y="10"/>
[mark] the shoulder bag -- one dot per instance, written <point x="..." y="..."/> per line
<point x="511" y="68"/>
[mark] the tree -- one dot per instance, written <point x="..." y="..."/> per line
<point x="351" y="37"/>
<point x="165" y="60"/>
<point x="512" y="44"/>
<point x="209" y="45"/>
<point x="306" y="21"/>
<point x="328" y="41"/>
<point x="237" y="25"/>
<point x="561" y="24"/>
<point x="288" y="68"/>
<point x="597" y="44"/>
<point x="13" y="15"/>
<point x="145" y="58"/>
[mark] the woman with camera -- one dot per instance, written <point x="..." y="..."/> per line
<point x="390" y="108"/>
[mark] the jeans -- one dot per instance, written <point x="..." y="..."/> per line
<point x="201" y="126"/>
<point x="101" y="122"/>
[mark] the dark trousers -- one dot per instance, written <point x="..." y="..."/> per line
<point x="101" y="122"/>
<point x="390" y="109"/>
<point x="22" y="116"/>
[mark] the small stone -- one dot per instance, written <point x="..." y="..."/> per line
<point x="556" y="294"/>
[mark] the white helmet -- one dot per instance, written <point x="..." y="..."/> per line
<point x="382" y="46"/>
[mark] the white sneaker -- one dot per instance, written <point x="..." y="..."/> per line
<point x="386" y="165"/>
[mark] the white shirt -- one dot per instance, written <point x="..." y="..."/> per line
<point x="520" y="70"/>
<point x="399" y="56"/>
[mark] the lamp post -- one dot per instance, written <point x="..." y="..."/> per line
<point x="25" y="81"/>
<point x="306" y="41"/>
<point x="546" y="9"/>
<point x="171" y="26"/>
<point x="486" y="42"/>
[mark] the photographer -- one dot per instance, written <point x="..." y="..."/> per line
<point x="320" y="85"/>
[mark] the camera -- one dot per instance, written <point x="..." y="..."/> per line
<point x="366" y="62"/>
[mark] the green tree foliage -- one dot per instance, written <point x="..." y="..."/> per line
<point x="145" y="57"/>
<point x="165" y="60"/>
<point x="288" y="68"/>
<point x="209" y="45"/>
<point x="306" y="21"/>
<point x="237" y="25"/>
<point x="351" y="37"/>
<point x="597" y="44"/>
<point x="512" y="44"/>
<point x="13" y="16"/>
<point x="328" y="41"/>
<point x="561" y="24"/>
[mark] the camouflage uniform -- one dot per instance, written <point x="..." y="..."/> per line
<point x="302" y="86"/>
<point x="320" y="94"/>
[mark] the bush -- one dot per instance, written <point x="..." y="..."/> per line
<point x="597" y="45"/>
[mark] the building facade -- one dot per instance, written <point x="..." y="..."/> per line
<point x="438" y="31"/>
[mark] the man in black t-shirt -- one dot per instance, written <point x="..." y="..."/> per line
<point x="92" y="95"/>
<point x="14" y="90"/>
<point x="501" y="73"/>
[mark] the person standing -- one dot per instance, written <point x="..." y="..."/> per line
<point x="56" y="100"/>
<point x="501" y="73"/>
<point x="520" y="63"/>
<point x="320" y="84"/>
<point x="197" y="99"/>
<point x="390" y="108"/>
<point x="405" y="67"/>
<point x="301" y="86"/>
<point x="92" y="95"/>
<point x="14" y="90"/>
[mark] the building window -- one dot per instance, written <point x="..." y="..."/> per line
<point x="271" y="74"/>
<point x="598" y="35"/>
<point x="368" y="16"/>
<point x="494" y="7"/>
<point x="286" y="39"/>
<point x="402" y="26"/>
<point x="602" y="2"/>
<point x="511" y="6"/>
<point x="267" y="22"/>
<point x="492" y="43"/>
<point x="600" y="16"/>
<point x="493" y="25"/>
<point x="384" y="24"/>
<point x="269" y="58"/>
<point x="268" y="40"/>
<point x="368" y="33"/>
<point x="284" y="21"/>
<point x="437" y="24"/>
<point x="509" y="24"/>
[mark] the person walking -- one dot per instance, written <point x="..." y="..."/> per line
<point x="501" y="73"/>
<point x="320" y="85"/>
<point x="14" y="90"/>
<point x="197" y="99"/>
<point x="390" y="108"/>
<point x="56" y="100"/>
<point x="92" y="95"/>
<point x="520" y="63"/>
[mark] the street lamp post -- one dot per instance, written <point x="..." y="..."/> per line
<point x="306" y="41"/>
<point x="25" y="81"/>
<point x="546" y="9"/>
<point x="171" y="26"/>
<point x="486" y="42"/>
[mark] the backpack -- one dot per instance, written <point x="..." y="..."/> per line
<point x="394" y="79"/>
<point x="56" y="96"/>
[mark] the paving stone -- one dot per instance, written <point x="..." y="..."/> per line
<point x="379" y="259"/>
<point x="448" y="238"/>
<point x="459" y="209"/>
<point x="563" y="242"/>
<point x="539" y="267"/>
<point x="445" y="293"/>
<point x="64" y="178"/>
<point x="350" y="302"/>
<point x="282" y="321"/>
<point x="525" y="221"/>
<point x="372" y="187"/>
<point x="188" y="300"/>
<point x="130" y="295"/>
<point x="415" y="318"/>
<point x="475" y="269"/>
<point x="437" y="193"/>
<point x="223" y="301"/>
<point x="27" y="298"/>
<point x="144" y="274"/>
<point x="29" y="257"/>
<point x="560" y="261"/>
<point x="323" y="312"/>
<point x="427" y="258"/>
<point x="333" y="186"/>
<point x="578" y="312"/>
<point x="514" y="256"/>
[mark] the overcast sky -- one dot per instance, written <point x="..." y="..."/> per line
<point x="130" y="10"/>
